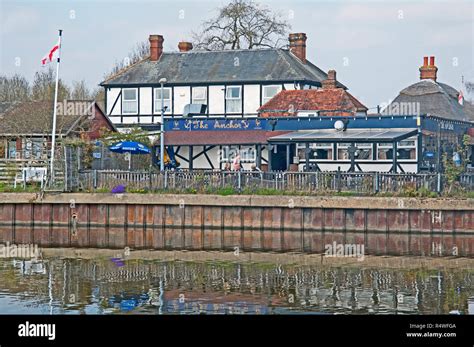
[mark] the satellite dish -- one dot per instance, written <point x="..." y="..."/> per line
<point x="339" y="125"/>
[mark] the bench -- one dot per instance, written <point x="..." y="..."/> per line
<point x="32" y="174"/>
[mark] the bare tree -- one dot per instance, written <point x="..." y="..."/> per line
<point x="15" y="88"/>
<point x="137" y="53"/>
<point x="79" y="91"/>
<point x="44" y="85"/>
<point x="242" y="24"/>
<point x="469" y="87"/>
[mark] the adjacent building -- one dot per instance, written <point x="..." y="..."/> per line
<point x="25" y="134"/>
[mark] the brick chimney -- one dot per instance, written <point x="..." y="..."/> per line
<point x="428" y="71"/>
<point x="185" y="46"/>
<point x="298" y="45"/>
<point x="156" y="47"/>
<point x="330" y="82"/>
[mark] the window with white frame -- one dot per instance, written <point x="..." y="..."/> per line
<point x="233" y="96"/>
<point x="406" y="150"/>
<point x="269" y="92"/>
<point x="343" y="151"/>
<point x="364" y="151"/>
<point x="318" y="151"/>
<point x="130" y="101"/>
<point x="384" y="151"/>
<point x="166" y="100"/>
<point x="199" y="95"/>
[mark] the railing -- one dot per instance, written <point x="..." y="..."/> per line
<point x="252" y="181"/>
<point x="467" y="180"/>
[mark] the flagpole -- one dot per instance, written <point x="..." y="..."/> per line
<point x="53" y="135"/>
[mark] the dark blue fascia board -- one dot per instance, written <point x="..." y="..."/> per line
<point x="310" y="123"/>
<point x="435" y="124"/>
<point x="284" y="124"/>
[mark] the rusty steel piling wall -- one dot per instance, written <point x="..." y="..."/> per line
<point x="385" y="226"/>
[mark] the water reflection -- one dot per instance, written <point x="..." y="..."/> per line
<point x="77" y="286"/>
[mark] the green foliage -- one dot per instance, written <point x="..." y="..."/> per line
<point x="11" y="169"/>
<point x="135" y="134"/>
<point x="226" y="191"/>
<point x="410" y="191"/>
<point x="30" y="188"/>
<point x="452" y="172"/>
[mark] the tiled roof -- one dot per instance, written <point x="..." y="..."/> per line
<point x="220" y="137"/>
<point x="220" y="67"/>
<point x="437" y="99"/>
<point x="335" y="101"/>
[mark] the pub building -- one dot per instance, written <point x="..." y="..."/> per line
<point x="279" y="111"/>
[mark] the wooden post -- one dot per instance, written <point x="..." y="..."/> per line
<point x="258" y="158"/>
<point x="191" y="158"/>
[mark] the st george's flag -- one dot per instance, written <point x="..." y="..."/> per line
<point x="53" y="52"/>
<point x="460" y="98"/>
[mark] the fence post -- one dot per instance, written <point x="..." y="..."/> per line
<point x="338" y="179"/>
<point x="376" y="182"/>
<point x="439" y="184"/>
<point x="239" y="181"/>
<point x="150" y="184"/>
<point x="94" y="180"/>
<point x="165" y="183"/>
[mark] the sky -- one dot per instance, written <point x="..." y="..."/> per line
<point x="376" y="47"/>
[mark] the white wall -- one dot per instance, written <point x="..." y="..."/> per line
<point x="200" y="162"/>
<point x="182" y="97"/>
<point x="216" y="99"/>
<point x="251" y="98"/>
<point x="146" y="101"/>
<point x="130" y="120"/>
<point x="148" y="120"/>
<point x="111" y="97"/>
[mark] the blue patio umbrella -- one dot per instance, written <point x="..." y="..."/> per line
<point x="131" y="147"/>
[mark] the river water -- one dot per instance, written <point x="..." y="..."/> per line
<point x="114" y="286"/>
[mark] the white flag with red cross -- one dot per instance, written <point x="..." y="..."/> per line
<point x="460" y="98"/>
<point x="53" y="52"/>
